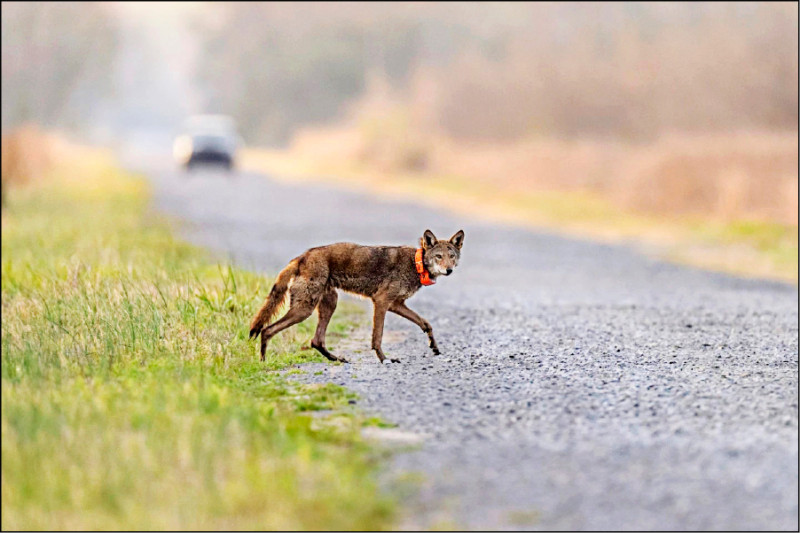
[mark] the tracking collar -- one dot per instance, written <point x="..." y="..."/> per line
<point x="424" y="275"/>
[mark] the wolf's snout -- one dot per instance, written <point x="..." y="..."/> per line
<point x="449" y="271"/>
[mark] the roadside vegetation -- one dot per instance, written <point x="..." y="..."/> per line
<point x="132" y="398"/>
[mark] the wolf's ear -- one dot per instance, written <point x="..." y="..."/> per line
<point x="458" y="239"/>
<point x="428" y="239"/>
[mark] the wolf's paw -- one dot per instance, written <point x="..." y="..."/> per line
<point x="436" y="351"/>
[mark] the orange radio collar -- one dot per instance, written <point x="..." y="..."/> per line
<point x="424" y="275"/>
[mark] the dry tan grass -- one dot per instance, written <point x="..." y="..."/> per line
<point x="747" y="175"/>
<point x="26" y="155"/>
<point x="751" y="175"/>
<point x="31" y="155"/>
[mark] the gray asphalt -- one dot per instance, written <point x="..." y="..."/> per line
<point x="581" y="385"/>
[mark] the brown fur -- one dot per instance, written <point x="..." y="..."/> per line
<point x="385" y="274"/>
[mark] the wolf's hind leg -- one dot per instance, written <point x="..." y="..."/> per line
<point x="303" y="301"/>
<point x="325" y="309"/>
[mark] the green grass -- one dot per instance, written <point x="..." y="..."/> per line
<point x="132" y="398"/>
<point x="777" y="242"/>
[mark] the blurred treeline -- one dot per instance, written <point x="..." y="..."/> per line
<point x="56" y="63"/>
<point x="500" y="71"/>
<point x="482" y="71"/>
<point x="57" y="59"/>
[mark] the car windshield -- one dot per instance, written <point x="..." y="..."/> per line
<point x="213" y="140"/>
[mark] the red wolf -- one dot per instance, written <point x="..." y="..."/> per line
<point x="388" y="275"/>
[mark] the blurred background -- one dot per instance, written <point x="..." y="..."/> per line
<point x="674" y="111"/>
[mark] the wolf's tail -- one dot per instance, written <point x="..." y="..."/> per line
<point x="275" y="299"/>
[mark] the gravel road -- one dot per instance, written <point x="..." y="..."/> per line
<point x="581" y="385"/>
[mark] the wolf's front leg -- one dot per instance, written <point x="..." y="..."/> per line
<point x="401" y="309"/>
<point x="377" y="330"/>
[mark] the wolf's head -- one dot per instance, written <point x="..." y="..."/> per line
<point x="441" y="257"/>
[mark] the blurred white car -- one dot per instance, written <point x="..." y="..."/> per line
<point x="207" y="139"/>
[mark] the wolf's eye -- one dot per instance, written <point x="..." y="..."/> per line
<point x="438" y="256"/>
<point x="452" y="256"/>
